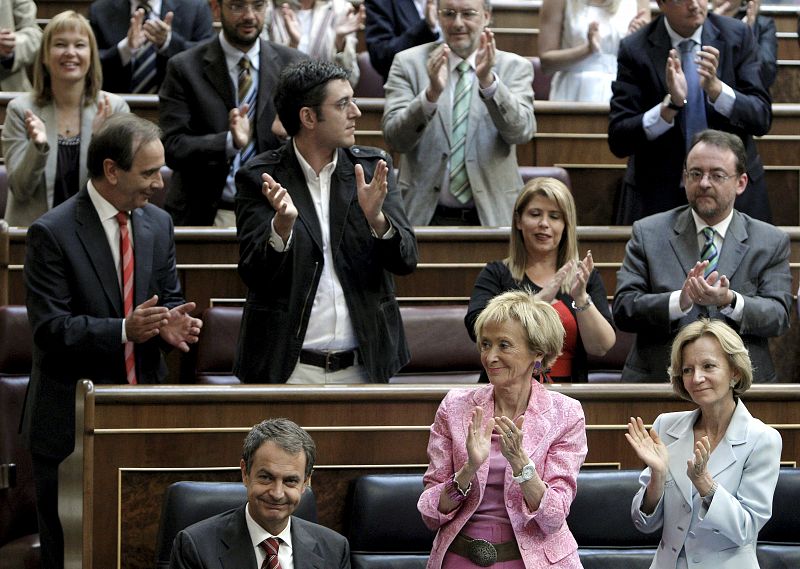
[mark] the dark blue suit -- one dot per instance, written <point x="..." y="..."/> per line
<point x="110" y="20"/>
<point x="652" y="182"/>
<point x="75" y="309"/>
<point x="392" y="26"/>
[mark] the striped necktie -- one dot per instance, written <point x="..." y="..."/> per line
<point x="126" y="260"/>
<point x="694" y="114"/>
<point x="143" y="65"/>
<point x="709" y="252"/>
<point x="270" y="547"/>
<point x="459" y="182"/>
<point x="247" y="94"/>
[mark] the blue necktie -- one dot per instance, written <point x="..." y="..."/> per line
<point x="709" y="252"/>
<point x="694" y="114"/>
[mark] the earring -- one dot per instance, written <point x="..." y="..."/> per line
<point x="733" y="383"/>
<point x="537" y="367"/>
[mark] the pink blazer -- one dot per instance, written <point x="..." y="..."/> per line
<point x="554" y="437"/>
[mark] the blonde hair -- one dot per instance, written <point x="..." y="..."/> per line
<point x="542" y="325"/>
<point x="42" y="85"/>
<point x="555" y="191"/>
<point x="730" y="342"/>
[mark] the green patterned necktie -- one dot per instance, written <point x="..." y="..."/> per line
<point x="459" y="182"/>
<point x="709" y="252"/>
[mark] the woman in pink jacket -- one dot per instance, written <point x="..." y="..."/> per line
<point x="504" y="458"/>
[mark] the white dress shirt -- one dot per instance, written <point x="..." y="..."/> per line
<point x="259" y="534"/>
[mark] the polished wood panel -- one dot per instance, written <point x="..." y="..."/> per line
<point x="135" y="440"/>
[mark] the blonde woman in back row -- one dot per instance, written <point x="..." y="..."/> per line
<point x="578" y="41"/>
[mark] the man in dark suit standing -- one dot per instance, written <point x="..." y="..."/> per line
<point x="216" y="110"/>
<point x="277" y="463"/>
<point x="136" y="38"/>
<point x="704" y="260"/>
<point x="685" y="71"/>
<point x="318" y="244"/>
<point x="395" y="25"/>
<point x="103" y="297"/>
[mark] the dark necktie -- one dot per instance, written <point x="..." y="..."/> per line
<point x="143" y="65"/>
<point x="709" y="252"/>
<point x="247" y="94"/>
<point x="270" y="547"/>
<point x="694" y="114"/>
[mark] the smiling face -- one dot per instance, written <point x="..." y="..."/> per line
<point x="463" y="32"/>
<point x="542" y="226"/>
<point x="69" y="56"/>
<point x="505" y="354"/>
<point x="274" y="485"/>
<point x="133" y="188"/>
<point x="706" y="372"/>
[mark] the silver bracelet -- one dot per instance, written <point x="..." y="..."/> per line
<point x="586" y="306"/>
<point x="710" y="496"/>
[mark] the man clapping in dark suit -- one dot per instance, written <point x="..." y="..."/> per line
<point x="103" y="298"/>
<point x="277" y="462"/>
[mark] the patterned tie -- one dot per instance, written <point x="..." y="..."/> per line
<point x="247" y="94"/>
<point x="126" y="259"/>
<point x="459" y="182"/>
<point x="694" y="115"/>
<point x="143" y="65"/>
<point x="709" y="252"/>
<point x="270" y="547"/>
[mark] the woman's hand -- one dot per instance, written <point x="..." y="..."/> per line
<point x="648" y="446"/>
<point x="511" y="441"/>
<point x="37" y="132"/>
<point x="582" y="271"/>
<point x="639" y="21"/>
<point x="103" y="112"/>
<point x="479" y="440"/>
<point x="593" y="37"/>
<point x="551" y="288"/>
<point x="697" y="467"/>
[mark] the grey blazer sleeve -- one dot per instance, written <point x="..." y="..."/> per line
<point x="25" y="161"/>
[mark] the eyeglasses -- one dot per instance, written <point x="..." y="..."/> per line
<point x="716" y="178"/>
<point x="343" y="104"/>
<point x="239" y="8"/>
<point x="466" y="15"/>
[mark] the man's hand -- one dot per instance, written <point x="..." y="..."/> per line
<point x="351" y="23"/>
<point x="707" y="63"/>
<point x="484" y="59"/>
<point x="371" y="196"/>
<point x="676" y="80"/>
<point x="750" y="16"/>
<point x="8" y="41"/>
<point x="438" y="71"/>
<point x="136" y="37"/>
<point x="638" y="21"/>
<point x="181" y="328"/>
<point x="37" y="131"/>
<point x="239" y="125"/>
<point x="686" y="300"/>
<point x="291" y="24"/>
<point x="281" y="202"/>
<point x="431" y="14"/>
<point x="157" y="31"/>
<point x="145" y="320"/>
<point x="726" y="8"/>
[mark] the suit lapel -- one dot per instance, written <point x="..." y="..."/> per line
<point x="304" y="549"/>
<point x="290" y="175"/>
<point x="658" y="51"/>
<point x="235" y="546"/>
<point x="723" y="456"/>
<point x="734" y="247"/>
<point x="343" y="192"/>
<point x="444" y="111"/>
<point x="680" y="450"/>
<point x="216" y="73"/>
<point x="93" y="238"/>
<point x="684" y="241"/>
<point x="142" y="255"/>
<point x="48" y="116"/>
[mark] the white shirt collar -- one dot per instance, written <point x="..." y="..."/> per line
<point x="453" y="60"/>
<point x="103" y="207"/>
<point x="308" y="171"/>
<point x="676" y="38"/>
<point x="155" y="6"/>
<point x="721" y="227"/>
<point x="259" y="534"/>
<point x="233" y="55"/>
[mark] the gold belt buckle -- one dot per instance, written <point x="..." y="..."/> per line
<point x="482" y="552"/>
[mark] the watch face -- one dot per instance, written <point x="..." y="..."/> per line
<point x="528" y="471"/>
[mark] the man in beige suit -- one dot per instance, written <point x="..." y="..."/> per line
<point x="19" y="41"/>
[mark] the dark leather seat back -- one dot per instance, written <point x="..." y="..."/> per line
<point x="186" y="503"/>
<point x="3" y="190"/>
<point x="370" y="82"/>
<point x="779" y="539"/>
<point x="608" y="367"/>
<point x="541" y="82"/>
<point x="16" y="342"/>
<point x="560" y="174"/>
<point x="216" y="347"/>
<point x="386" y="529"/>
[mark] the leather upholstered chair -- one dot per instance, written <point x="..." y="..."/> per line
<point x="370" y="82"/>
<point x="186" y="503"/>
<point x="386" y="530"/>
<point x="530" y="172"/>
<point x="779" y="539"/>
<point x="216" y="347"/>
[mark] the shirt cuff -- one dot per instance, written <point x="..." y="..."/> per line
<point x="427" y="107"/>
<point x="124" y="335"/>
<point x="654" y="125"/>
<point x="230" y="149"/>
<point x="735" y="313"/>
<point x="275" y="240"/>
<point x="675" y="311"/>
<point x="724" y="103"/>
<point x="489" y="92"/>
<point x="125" y="52"/>
<point x="163" y="48"/>
<point x="389" y="232"/>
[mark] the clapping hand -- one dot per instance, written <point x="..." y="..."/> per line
<point x="438" y="70"/>
<point x="181" y="329"/>
<point x="35" y="127"/>
<point x="479" y="439"/>
<point x="648" y="446"/>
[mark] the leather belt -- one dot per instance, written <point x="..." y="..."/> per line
<point x="482" y="552"/>
<point x="329" y="361"/>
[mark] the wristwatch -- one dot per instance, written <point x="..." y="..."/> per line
<point x="671" y="105"/>
<point x="527" y="473"/>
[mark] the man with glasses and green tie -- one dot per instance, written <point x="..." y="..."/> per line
<point x="455" y="111"/>
<point x="704" y="260"/>
<point x="685" y="71"/>
<point x="217" y="112"/>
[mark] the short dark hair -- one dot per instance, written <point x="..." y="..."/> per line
<point x="119" y="139"/>
<point x="286" y="434"/>
<point x="725" y="141"/>
<point x="303" y="84"/>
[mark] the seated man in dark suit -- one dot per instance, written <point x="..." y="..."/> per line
<point x="277" y="462"/>
<point x="396" y="25"/>
<point x="705" y="259"/>
<point x="685" y="71"/>
<point x="136" y="38"/>
<point x="103" y="299"/>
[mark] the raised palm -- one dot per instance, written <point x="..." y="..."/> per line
<point x="647" y="445"/>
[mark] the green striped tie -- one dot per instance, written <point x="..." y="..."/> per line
<point x="459" y="182"/>
<point x="709" y="252"/>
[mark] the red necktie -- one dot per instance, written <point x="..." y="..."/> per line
<point x="126" y="259"/>
<point x="270" y="547"/>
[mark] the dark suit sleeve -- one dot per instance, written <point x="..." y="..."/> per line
<point x="184" y="553"/>
<point x="190" y="27"/>
<point x="767" y="40"/>
<point x="490" y="283"/>
<point x="635" y="307"/>
<point x="628" y="102"/>
<point x="49" y="301"/>
<point x="385" y="37"/>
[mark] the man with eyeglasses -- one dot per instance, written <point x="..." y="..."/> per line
<point x="136" y="38"/>
<point x="456" y="111"/>
<point x="705" y="259"/>
<point x="685" y="71"/>
<point x="217" y="112"/>
<point x="321" y="231"/>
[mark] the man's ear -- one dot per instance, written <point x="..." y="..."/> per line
<point x="308" y="118"/>
<point x="243" y="467"/>
<point x="111" y="170"/>
<point x="216" y="8"/>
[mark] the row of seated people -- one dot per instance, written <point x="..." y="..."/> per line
<point x="208" y="134"/>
